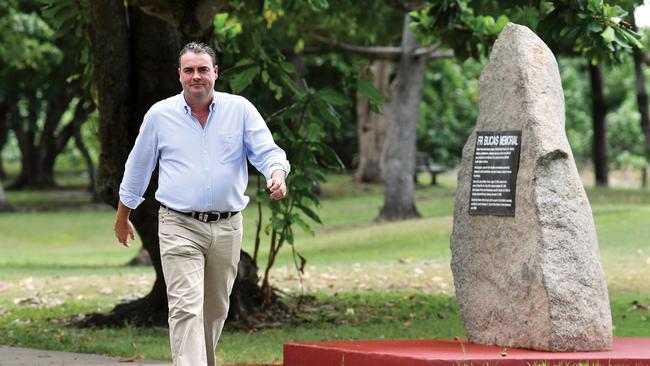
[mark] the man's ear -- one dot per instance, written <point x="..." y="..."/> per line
<point x="216" y="71"/>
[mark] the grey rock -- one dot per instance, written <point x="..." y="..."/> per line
<point x="533" y="280"/>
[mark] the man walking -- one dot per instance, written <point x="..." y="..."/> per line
<point x="201" y="139"/>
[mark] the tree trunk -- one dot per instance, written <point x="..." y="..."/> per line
<point x="90" y="166"/>
<point x="372" y="127"/>
<point x="599" y="115"/>
<point x="4" y="205"/>
<point x="644" y="177"/>
<point x="39" y="150"/>
<point x="122" y="91"/>
<point x="25" y="131"/>
<point x="642" y="96"/>
<point x="642" y="100"/>
<point x="4" y="131"/>
<point x="400" y="147"/>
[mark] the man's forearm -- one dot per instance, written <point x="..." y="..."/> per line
<point x="123" y="212"/>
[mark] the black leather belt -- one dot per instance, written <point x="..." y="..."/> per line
<point x="213" y="216"/>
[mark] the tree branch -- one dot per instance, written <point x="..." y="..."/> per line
<point x="406" y="6"/>
<point x="382" y="52"/>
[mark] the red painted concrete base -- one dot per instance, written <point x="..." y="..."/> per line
<point x="626" y="351"/>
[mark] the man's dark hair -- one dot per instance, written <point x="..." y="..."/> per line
<point x="197" y="47"/>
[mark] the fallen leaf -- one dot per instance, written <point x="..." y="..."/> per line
<point x="27" y="283"/>
<point x="407" y="260"/>
<point x="327" y="276"/>
<point x="130" y="359"/>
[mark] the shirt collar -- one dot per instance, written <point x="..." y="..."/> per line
<point x="186" y="107"/>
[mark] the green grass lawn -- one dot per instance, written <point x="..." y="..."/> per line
<point x="372" y="281"/>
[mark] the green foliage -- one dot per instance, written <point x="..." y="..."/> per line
<point x="458" y="26"/>
<point x="26" y="39"/>
<point x="577" y="89"/>
<point x="42" y="48"/>
<point x="71" y="20"/>
<point x="590" y="28"/>
<point x="626" y="141"/>
<point x="297" y="114"/>
<point x="625" y="137"/>
<point x="449" y="109"/>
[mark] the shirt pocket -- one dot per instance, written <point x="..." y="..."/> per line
<point x="229" y="148"/>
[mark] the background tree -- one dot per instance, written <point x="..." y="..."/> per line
<point x="397" y="158"/>
<point x="448" y="109"/>
<point x="372" y="126"/>
<point x="599" y="116"/>
<point x="638" y="56"/>
<point x="38" y="91"/>
<point x="592" y="29"/>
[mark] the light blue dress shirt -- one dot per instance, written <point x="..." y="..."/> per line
<point x="201" y="169"/>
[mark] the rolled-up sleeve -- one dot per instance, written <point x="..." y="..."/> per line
<point x="261" y="150"/>
<point x="140" y="164"/>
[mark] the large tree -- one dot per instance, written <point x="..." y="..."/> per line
<point x="599" y="118"/>
<point x="40" y="84"/>
<point x="372" y="127"/>
<point x="4" y="205"/>
<point x="393" y="135"/>
<point x="41" y="133"/>
<point x="639" y="57"/>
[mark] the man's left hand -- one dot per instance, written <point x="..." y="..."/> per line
<point x="276" y="185"/>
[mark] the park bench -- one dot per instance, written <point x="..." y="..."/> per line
<point x="424" y="163"/>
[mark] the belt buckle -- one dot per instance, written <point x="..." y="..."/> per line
<point x="218" y="216"/>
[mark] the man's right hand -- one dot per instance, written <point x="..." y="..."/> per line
<point x="123" y="226"/>
<point x="124" y="230"/>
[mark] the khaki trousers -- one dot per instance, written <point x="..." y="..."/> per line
<point x="199" y="262"/>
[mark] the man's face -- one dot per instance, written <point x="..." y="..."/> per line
<point x="197" y="75"/>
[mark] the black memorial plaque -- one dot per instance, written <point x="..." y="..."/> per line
<point x="494" y="173"/>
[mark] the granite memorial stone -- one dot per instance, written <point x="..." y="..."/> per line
<point x="528" y="275"/>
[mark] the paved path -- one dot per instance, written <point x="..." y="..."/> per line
<point x="17" y="356"/>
